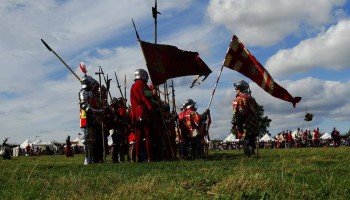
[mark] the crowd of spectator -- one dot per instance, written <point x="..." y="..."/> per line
<point x="286" y="139"/>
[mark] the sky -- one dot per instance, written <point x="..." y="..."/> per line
<point x="304" y="45"/>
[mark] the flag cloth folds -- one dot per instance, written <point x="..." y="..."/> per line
<point x="166" y="61"/>
<point x="241" y="60"/>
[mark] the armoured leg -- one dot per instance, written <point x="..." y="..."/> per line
<point x="88" y="142"/>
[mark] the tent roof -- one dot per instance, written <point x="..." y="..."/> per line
<point x="79" y="141"/>
<point x="266" y="138"/>
<point x="326" y="136"/>
<point x="25" y="144"/>
<point x="231" y="138"/>
<point x="43" y="144"/>
<point x="38" y="141"/>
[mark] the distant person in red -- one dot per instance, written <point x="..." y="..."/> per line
<point x="289" y="139"/>
<point x="141" y="106"/>
<point x="28" y="148"/>
<point x="316" y="138"/>
<point x="336" y="137"/>
<point x="69" y="152"/>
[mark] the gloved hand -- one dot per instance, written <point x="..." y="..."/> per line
<point x="207" y="112"/>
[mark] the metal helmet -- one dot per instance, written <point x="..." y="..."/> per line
<point x="141" y="74"/>
<point x="119" y="100"/>
<point x="189" y="103"/>
<point x="114" y="100"/>
<point x="241" y="86"/>
<point x="87" y="81"/>
<point x="183" y="106"/>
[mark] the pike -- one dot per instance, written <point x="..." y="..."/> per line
<point x="154" y="14"/>
<point x="118" y="85"/>
<point x="102" y="124"/>
<point x="175" y="113"/>
<point x="107" y="81"/>
<point x="49" y="48"/>
<point x="125" y="86"/>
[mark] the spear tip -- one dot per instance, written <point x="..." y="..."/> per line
<point x="46" y="45"/>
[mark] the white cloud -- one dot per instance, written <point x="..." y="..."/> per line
<point x="327" y="50"/>
<point x="265" y="22"/>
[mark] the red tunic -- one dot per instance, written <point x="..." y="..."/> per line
<point x="192" y="118"/>
<point x="140" y="105"/>
<point x="245" y="107"/>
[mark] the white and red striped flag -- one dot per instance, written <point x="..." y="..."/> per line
<point x="241" y="60"/>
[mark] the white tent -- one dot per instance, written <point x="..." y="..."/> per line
<point x="37" y="142"/>
<point x="15" y="151"/>
<point x="40" y="143"/>
<point x="78" y="141"/>
<point x="231" y="138"/>
<point x="326" y="136"/>
<point x="25" y="144"/>
<point x="266" y="138"/>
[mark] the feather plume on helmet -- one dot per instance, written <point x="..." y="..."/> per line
<point x="82" y="67"/>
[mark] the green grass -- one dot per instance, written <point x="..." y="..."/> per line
<point x="315" y="173"/>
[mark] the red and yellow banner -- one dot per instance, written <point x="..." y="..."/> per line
<point x="241" y="60"/>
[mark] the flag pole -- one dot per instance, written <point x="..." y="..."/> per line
<point x="125" y="88"/>
<point x="139" y="40"/>
<point x="211" y="98"/>
<point x="155" y="13"/>
<point x="217" y="80"/>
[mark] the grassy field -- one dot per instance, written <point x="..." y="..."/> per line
<point x="314" y="173"/>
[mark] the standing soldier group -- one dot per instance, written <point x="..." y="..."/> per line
<point x="155" y="128"/>
<point x="158" y="133"/>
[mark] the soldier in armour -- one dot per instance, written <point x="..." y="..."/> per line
<point x="244" y="118"/>
<point x="119" y="131"/>
<point x="101" y="132"/>
<point x="170" y="121"/>
<point x="183" y="134"/>
<point x="193" y="122"/>
<point x="89" y="114"/>
<point x="141" y="108"/>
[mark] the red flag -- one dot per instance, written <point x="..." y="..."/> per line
<point x="166" y="61"/>
<point x="241" y="60"/>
